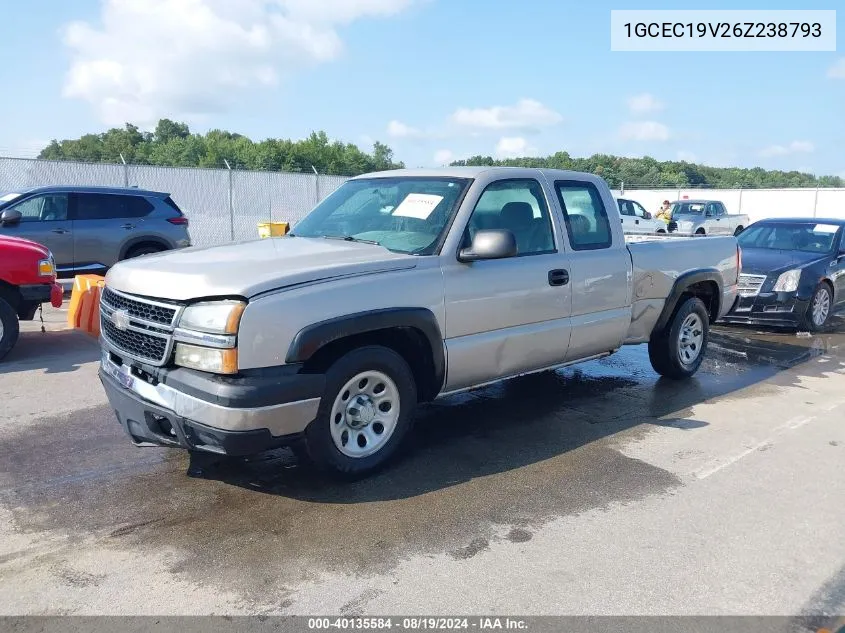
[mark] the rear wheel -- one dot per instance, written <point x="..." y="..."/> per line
<point x="818" y="312"/>
<point x="678" y="351"/>
<point x="366" y="410"/>
<point x="9" y="328"/>
<point x="700" y="232"/>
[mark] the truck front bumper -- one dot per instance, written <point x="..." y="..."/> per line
<point x="42" y="293"/>
<point x="208" y="413"/>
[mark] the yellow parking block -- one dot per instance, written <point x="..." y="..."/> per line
<point x="272" y="229"/>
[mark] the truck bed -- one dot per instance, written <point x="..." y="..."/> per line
<point x="659" y="260"/>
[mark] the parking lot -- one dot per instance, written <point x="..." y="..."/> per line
<point x="597" y="489"/>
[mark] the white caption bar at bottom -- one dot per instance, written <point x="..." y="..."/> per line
<point x="723" y="30"/>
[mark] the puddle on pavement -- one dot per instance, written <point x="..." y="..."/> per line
<point x="492" y="464"/>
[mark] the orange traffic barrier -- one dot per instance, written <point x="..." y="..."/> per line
<point x="84" y="310"/>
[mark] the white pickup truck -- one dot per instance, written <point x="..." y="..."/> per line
<point x="399" y="288"/>
<point x="636" y="220"/>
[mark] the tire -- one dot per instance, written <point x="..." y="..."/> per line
<point x="144" y="249"/>
<point x="333" y="440"/>
<point x="814" y="321"/>
<point x="666" y="352"/>
<point x="700" y="232"/>
<point x="9" y="328"/>
<point x="738" y="230"/>
<point x="661" y="232"/>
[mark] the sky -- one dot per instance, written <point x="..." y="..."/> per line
<point x="436" y="80"/>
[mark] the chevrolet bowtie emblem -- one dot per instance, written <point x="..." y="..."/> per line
<point x="120" y="319"/>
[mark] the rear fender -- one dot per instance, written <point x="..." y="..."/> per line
<point x="682" y="286"/>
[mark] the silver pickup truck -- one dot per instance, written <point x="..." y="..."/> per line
<point x="705" y="217"/>
<point x="399" y="288"/>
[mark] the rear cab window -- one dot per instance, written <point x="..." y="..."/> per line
<point x="587" y="222"/>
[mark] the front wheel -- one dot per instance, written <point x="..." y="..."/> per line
<point x="738" y="230"/>
<point x="9" y="328"/>
<point x="818" y="312"/>
<point x="366" y="410"/>
<point x="678" y="352"/>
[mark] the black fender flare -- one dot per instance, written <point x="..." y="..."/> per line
<point x="681" y="285"/>
<point x="312" y="338"/>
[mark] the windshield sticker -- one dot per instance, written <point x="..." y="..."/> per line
<point x="825" y="228"/>
<point x="417" y="205"/>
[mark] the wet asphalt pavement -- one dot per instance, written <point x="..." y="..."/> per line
<point x="595" y="489"/>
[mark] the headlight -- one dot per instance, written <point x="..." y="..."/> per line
<point x="216" y="361"/>
<point x="214" y="317"/>
<point x="788" y="281"/>
<point x="46" y="267"/>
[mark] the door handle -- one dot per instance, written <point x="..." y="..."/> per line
<point x="558" y="277"/>
<point x="636" y="221"/>
<point x="127" y="226"/>
<point x="60" y="231"/>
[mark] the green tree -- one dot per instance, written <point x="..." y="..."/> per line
<point x="173" y="144"/>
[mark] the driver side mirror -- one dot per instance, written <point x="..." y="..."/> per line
<point x="10" y="217"/>
<point x="708" y="214"/>
<point x="490" y="244"/>
<point x="646" y="215"/>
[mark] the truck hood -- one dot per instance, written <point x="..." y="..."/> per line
<point x="245" y="269"/>
<point x="24" y="246"/>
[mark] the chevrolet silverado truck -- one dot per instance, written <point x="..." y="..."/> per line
<point x="705" y="217"/>
<point x="27" y="279"/>
<point x="399" y="288"/>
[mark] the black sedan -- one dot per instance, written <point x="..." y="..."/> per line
<point x="793" y="273"/>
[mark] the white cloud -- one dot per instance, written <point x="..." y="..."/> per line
<point x="644" y="131"/>
<point x="687" y="156"/>
<point x="525" y="115"/>
<point x="443" y="157"/>
<point x="187" y="58"/>
<point x="397" y="129"/>
<point x="644" y="103"/>
<point x="795" y="147"/>
<point x="837" y="71"/>
<point x="513" y="147"/>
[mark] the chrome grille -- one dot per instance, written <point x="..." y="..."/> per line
<point x="152" y="312"/>
<point x="138" y="328"/>
<point x="749" y="285"/>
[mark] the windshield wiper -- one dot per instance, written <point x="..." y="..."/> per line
<point x="349" y="238"/>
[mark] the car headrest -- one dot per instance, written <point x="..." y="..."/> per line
<point x="517" y="214"/>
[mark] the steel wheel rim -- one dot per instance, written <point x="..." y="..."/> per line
<point x="364" y="414"/>
<point x="690" y="339"/>
<point x="821" y="307"/>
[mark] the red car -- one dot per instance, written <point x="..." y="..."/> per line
<point x="27" y="279"/>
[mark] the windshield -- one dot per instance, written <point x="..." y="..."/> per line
<point x="687" y="208"/>
<point x="806" y="237"/>
<point x="406" y="215"/>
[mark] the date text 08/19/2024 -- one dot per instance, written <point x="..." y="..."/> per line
<point x="418" y="623"/>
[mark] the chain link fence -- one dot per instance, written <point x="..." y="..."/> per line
<point x="223" y="205"/>
<point x="226" y="205"/>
